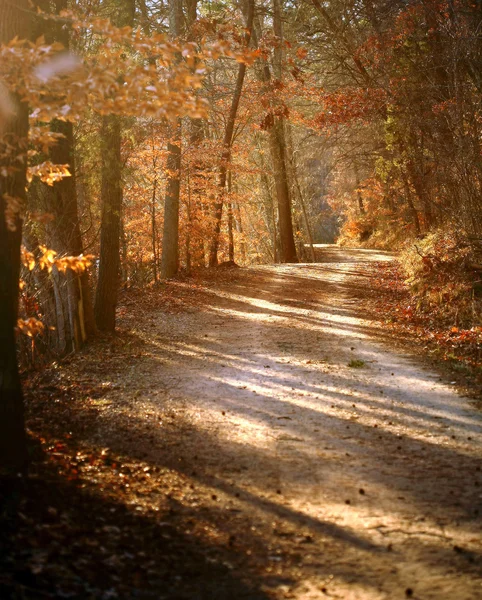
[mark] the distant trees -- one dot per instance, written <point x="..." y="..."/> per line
<point x="406" y="73"/>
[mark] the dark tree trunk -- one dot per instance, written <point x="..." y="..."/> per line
<point x="13" y="452"/>
<point x="111" y="197"/>
<point x="154" y="229"/>
<point x="230" y="220"/>
<point x="196" y="204"/>
<point x="278" y="157"/>
<point x="170" y="237"/>
<point x="278" y="153"/>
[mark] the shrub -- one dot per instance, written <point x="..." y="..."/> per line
<point x="445" y="277"/>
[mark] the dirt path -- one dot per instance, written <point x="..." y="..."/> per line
<point x="326" y="480"/>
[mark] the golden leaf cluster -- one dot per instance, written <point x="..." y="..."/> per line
<point x="48" y="172"/>
<point x="49" y="259"/>
<point x="13" y="208"/>
<point x="30" y="327"/>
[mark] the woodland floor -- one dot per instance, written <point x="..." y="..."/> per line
<point x="252" y="436"/>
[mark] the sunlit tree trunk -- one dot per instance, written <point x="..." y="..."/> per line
<point x="65" y="237"/>
<point x="14" y="21"/>
<point x="72" y="319"/>
<point x="239" y="228"/>
<point x="277" y="145"/>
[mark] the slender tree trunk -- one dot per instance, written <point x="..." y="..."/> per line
<point x="196" y="206"/>
<point x="230" y="220"/>
<point x="305" y="218"/>
<point x="270" y="204"/>
<point x="154" y="229"/>
<point x="297" y="189"/>
<point x="189" y="225"/>
<point x="170" y="238"/>
<point x="361" y="206"/>
<point x="13" y="451"/>
<point x="111" y="197"/>
<point x="240" y="230"/>
<point x="411" y="205"/>
<point x="124" y="268"/>
<point x="227" y="142"/>
<point x="421" y="191"/>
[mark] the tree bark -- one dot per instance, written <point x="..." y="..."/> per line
<point x="230" y="221"/>
<point x="65" y="237"/>
<point x="277" y="146"/>
<point x="13" y="449"/>
<point x="63" y="234"/>
<point x="154" y="228"/>
<point x="170" y="238"/>
<point x="111" y="198"/>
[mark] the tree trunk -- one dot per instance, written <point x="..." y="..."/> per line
<point x="65" y="237"/>
<point x="278" y="147"/>
<point x="227" y="142"/>
<point x="170" y="238"/>
<point x="239" y="228"/>
<point x="13" y="450"/>
<point x="196" y="205"/>
<point x="154" y="229"/>
<point x="361" y="205"/>
<point x="278" y="153"/>
<point x="296" y="187"/>
<point x="189" y="225"/>
<point x="411" y="205"/>
<point x="230" y="220"/>
<point x="111" y="197"/>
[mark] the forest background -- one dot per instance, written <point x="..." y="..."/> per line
<point x="143" y="139"/>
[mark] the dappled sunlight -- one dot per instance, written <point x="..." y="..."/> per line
<point x="323" y="465"/>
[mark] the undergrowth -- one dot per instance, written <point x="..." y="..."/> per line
<point x="407" y="301"/>
<point x="444" y="276"/>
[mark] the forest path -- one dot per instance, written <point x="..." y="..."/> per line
<point x="353" y="482"/>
